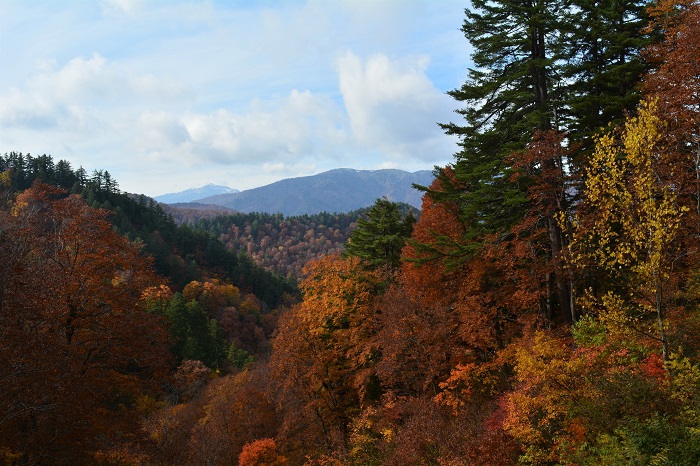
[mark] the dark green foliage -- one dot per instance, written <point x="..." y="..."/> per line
<point x="567" y="65"/>
<point x="380" y="237"/>
<point x="658" y="440"/>
<point x="239" y="357"/>
<point x="507" y="97"/>
<point x="196" y="336"/>
<point x="601" y="64"/>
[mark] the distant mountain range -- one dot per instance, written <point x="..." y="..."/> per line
<point x="340" y="190"/>
<point x="193" y="194"/>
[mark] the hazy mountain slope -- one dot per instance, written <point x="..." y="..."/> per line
<point x="192" y="212"/>
<point x="340" y="190"/>
<point x="192" y="194"/>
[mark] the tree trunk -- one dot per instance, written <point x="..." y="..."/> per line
<point x="560" y="275"/>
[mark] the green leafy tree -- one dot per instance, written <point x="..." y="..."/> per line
<point x="379" y="239"/>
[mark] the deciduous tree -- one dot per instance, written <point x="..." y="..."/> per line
<point x="324" y="354"/>
<point x="79" y="348"/>
<point x="625" y="231"/>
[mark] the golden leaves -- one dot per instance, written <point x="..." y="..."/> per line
<point x="630" y="214"/>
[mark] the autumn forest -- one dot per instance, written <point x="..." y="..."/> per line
<point x="542" y="308"/>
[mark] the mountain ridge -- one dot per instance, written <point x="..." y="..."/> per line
<point x="338" y="190"/>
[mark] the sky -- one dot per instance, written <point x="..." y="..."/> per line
<point x="169" y="95"/>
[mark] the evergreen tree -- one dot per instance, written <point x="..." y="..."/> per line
<point x="81" y="175"/>
<point x="507" y="97"/>
<point x="379" y="239"/>
<point x="65" y="178"/>
<point x="196" y="336"/>
<point x="110" y="184"/>
<point x="600" y="53"/>
<point x="566" y="65"/>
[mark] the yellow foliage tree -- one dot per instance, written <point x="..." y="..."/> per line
<point x="625" y="230"/>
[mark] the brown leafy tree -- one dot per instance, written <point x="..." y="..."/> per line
<point x="79" y="353"/>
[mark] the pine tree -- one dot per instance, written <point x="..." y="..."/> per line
<point x="600" y="52"/>
<point x="379" y="239"/>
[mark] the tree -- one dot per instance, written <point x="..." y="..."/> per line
<point x="79" y="349"/>
<point x="600" y="54"/>
<point x="196" y="335"/>
<point x="526" y="55"/>
<point x="213" y="427"/>
<point x="323" y="356"/>
<point x="379" y="239"/>
<point x="445" y="321"/>
<point x="674" y="83"/>
<point x="65" y="178"/>
<point x="625" y="231"/>
<point x="262" y="452"/>
<point x="538" y="243"/>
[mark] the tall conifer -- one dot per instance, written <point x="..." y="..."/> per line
<point x="539" y="66"/>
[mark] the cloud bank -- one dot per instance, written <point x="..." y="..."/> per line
<point x="238" y="96"/>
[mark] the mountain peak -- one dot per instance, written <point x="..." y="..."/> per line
<point x="194" y="194"/>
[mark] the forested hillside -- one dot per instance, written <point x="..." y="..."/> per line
<point x="107" y="310"/>
<point x="181" y="254"/>
<point x="192" y="212"/>
<point x="543" y="310"/>
<point x="284" y="245"/>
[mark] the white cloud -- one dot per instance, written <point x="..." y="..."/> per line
<point x="83" y="95"/>
<point x="117" y="7"/>
<point x="393" y="106"/>
<point x="294" y="169"/>
<point x="300" y="125"/>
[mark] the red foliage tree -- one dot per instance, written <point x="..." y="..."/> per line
<point x="674" y="84"/>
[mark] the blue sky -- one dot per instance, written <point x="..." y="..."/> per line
<point x="168" y="95"/>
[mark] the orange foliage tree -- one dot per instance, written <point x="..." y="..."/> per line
<point x="261" y="452"/>
<point x="323" y="358"/>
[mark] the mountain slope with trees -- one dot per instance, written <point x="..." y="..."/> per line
<point x="181" y="254"/>
<point x="284" y="245"/>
